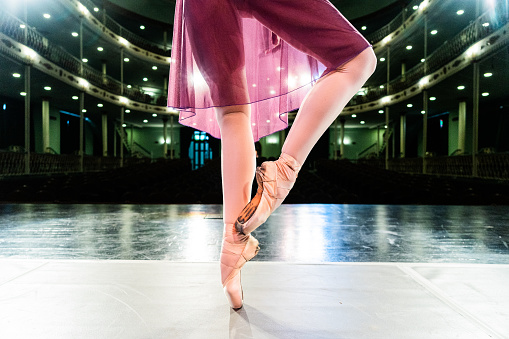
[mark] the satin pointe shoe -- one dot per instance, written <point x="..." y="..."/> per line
<point x="237" y="249"/>
<point x="275" y="180"/>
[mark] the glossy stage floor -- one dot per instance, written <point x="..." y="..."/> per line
<point x="324" y="271"/>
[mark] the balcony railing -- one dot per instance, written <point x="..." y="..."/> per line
<point x="10" y="26"/>
<point x="489" y="166"/>
<point x="12" y="163"/>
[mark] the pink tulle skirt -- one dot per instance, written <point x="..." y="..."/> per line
<point x="265" y="53"/>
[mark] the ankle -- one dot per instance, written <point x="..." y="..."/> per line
<point x="231" y="235"/>
<point x="290" y="161"/>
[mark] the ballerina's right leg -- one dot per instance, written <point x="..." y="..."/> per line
<point x="215" y="31"/>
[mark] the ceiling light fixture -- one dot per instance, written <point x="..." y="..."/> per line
<point x="488" y="74"/>
<point x="75" y="34"/>
<point x="16" y="75"/>
<point x="461" y="87"/>
<point x="46" y="16"/>
<point x="460" y="12"/>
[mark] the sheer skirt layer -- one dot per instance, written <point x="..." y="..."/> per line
<point x="266" y="53"/>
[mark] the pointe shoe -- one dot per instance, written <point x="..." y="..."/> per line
<point x="275" y="180"/>
<point x="237" y="249"/>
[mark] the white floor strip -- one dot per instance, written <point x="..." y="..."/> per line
<point x="437" y="292"/>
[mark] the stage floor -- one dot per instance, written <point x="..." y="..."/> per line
<point x="324" y="271"/>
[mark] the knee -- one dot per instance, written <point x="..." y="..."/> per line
<point x="369" y="61"/>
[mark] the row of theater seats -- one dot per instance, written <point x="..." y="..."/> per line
<point x="173" y="182"/>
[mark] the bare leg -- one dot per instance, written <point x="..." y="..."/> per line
<point x="238" y="159"/>
<point x="324" y="102"/>
<point x="320" y="108"/>
<point x="219" y="54"/>
<point x="238" y="166"/>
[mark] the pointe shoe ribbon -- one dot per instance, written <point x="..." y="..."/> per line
<point x="237" y="249"/>
<point x="275" y="180"/>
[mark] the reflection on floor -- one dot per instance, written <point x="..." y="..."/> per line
<point x="324" y="271"/>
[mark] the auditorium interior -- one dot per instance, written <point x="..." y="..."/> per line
<point x="110" y="210"/>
